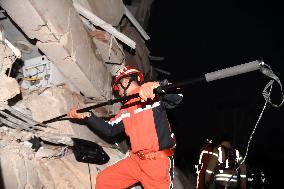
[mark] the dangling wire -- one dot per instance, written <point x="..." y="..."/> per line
<point x="110" y="46"/>
<point x="260" y="116"/>
<point x="90" y="176"/>
<point x="266" y="70"/>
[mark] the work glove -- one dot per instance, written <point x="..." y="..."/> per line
<point x="147" y="90"/>
<point x="74" y="114"/>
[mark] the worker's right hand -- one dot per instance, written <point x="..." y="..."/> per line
<point x="147" y="90"/>
<point x="74" y="114"/>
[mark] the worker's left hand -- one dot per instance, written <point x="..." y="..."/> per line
<point x="74" y="114"/>
<point x="147" y="90"/>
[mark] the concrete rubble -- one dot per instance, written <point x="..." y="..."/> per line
<point x="82" y="59"/>
<point x="49" y="167"/>
<point x="6" y="57"/>
<point x="8" y="87"/>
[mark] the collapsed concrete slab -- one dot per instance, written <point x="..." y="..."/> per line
<point x="64" y="40"/>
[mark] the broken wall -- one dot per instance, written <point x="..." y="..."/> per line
<point x="63" y="38"/>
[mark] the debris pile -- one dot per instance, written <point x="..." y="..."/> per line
<point x="32" y="163"/>
<point x="63" y="57"/>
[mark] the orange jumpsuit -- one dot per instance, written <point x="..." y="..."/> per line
<point x="150" y="160"/>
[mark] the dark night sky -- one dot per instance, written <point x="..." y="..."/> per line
<point x="205" y="36"/>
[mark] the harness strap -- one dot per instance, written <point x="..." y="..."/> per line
<point x="155" y="155"/>
<point x="125" y="88"/>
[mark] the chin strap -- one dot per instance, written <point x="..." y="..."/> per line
<point x="125" y="88"/>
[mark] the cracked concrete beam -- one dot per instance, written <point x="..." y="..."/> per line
<point x="16" y="10"/>
<point x="63" y="38"/>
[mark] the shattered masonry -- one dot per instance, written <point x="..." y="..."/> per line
<point x="68" y="59"/>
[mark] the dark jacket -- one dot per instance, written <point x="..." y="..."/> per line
<point x="145" y="123"/>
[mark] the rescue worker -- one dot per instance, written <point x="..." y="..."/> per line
<point x="204" y="158"/>
<point x="144" y="120"/>
<point x="224" y="167"/>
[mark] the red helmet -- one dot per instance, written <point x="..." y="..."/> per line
<point x="127" y="71"/>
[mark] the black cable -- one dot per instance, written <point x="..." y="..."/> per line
<point x="90" y="176"/>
